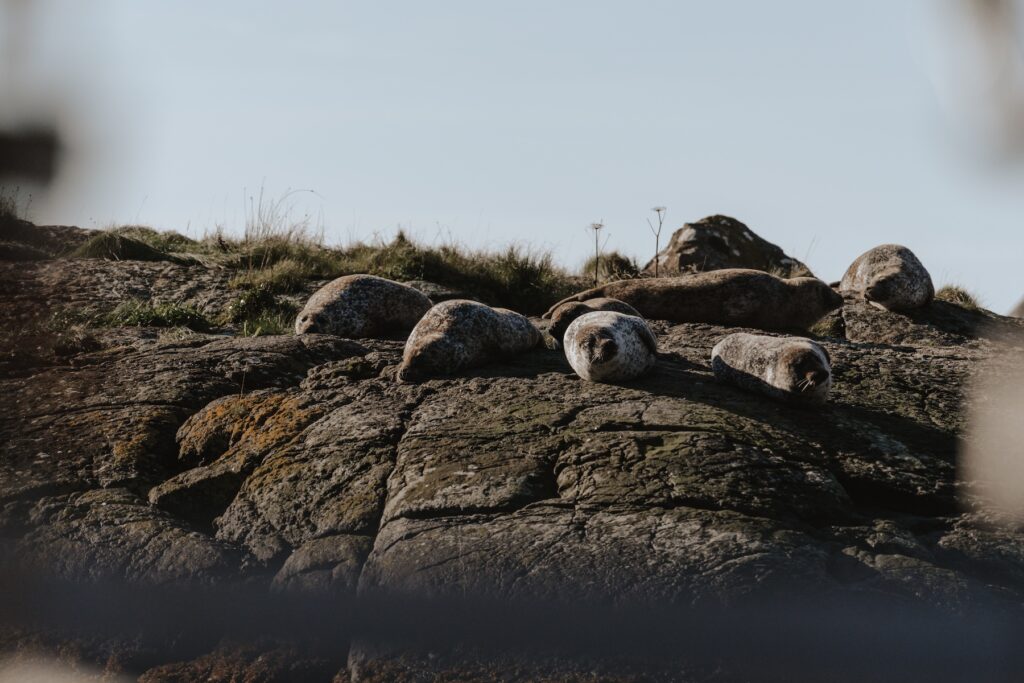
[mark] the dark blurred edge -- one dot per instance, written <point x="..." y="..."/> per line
<point x="29" y="154"/>
<point x="859" y="637"/>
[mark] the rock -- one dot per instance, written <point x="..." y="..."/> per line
<point x="718" y="242"/>
<point x="260" y="661"/>
<point x="297" y="469"/>
<point x="1018" y="310"/>
<point x="325" y="566"/>
<point x="111" y="419"/>
<point x="16" y="251"/>
<point x="50" y="239"/>
<point x="107" y="534"/>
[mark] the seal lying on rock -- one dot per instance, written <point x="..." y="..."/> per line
<point x="459" y="334"/>
<point x="735" y="296"/>
<point x="563" y="315"/>
<point x="790" y="368"/>
<point x="361" y="306"/>
<point x="608" y="346"/>
<point x="890" y="277"/>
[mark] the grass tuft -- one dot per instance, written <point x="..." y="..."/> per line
<point x="137" y="313"/>
<point x="614" y="266"/>
<point x="168" y="242"/>
<point x="516" y="278"/>
<point x="832" y="325"/>
<point x="8" y="206"/>
<point x="132" y="313"/>
<point x="958" y="296"/>
<point x="112" y="246"/>
<point x="257" y="311"/>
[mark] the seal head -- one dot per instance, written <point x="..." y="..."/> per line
<point x="786" y="368"/>
<point x="563" y="315"/>
<point x="608" y="346"/>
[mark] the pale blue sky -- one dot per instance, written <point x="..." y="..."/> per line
<point x="492" y="122"/>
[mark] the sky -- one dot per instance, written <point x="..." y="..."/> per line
<point x="822" y="126"/>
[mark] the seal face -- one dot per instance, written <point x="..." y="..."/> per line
<point x="458" y="334"/>
<point x="734" y="296"/>
<point x="889" y="276"/>
<point x="563" y="315"/>
<point x="787" y="368"/>
<point x="361" y="306"/>
<point x="608" y="346"/>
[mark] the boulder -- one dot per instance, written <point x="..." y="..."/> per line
<point x="718" y="242"/>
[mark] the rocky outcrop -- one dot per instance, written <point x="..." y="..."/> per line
<point x="297" y="470"/>
<point x="718" y="242"/>
<point x="1018" y="310"/>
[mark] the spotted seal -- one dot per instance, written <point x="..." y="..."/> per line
<point x="563" y="315"/>
<point x="890" y="277"/>
<point x="789" y="368"/>
<point x="362" y="306"/>
<point x="608" y="346"/>
<point x="458" y="334"/>
<point x="734" y="296"/>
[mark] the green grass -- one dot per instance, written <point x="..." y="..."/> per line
<point x="257" y="310"/>
<point x="167" y="242"/>
<point x="614" y="266"/>
<point x="830" y="326"/>
<point x="133" y="313"/>
<point x="268" y="323"/>
<point x="515" y="278"/>
<point x="958" y="296"/>
<point x="278" y="255"/>
<point x="112" y="246"/>
<point x="137" y="313"/>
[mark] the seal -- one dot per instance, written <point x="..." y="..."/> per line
<point x="608" y="346"/>
<point x="563" y="315"/>
<point x="458" y="334"/>
<point x="362" y="306"/>
<point x="734" y="296"/>
<point x="787" y="368"/>
<point x="890" y="277"/>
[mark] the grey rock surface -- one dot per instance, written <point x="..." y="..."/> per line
<point x="298" y="466"/>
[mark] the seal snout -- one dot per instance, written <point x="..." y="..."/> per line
<point x="814" y="378"/>
<point x="407" y="375"/>
<point x="604" y="350"/>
